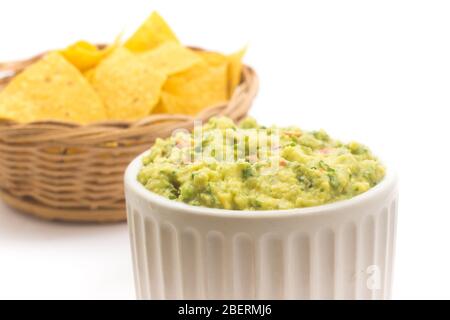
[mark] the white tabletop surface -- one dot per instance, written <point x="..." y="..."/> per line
<point x="375" y="71"/>
<point x="53" y="260"/>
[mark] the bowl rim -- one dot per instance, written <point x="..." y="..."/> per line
<point x="132" y="184"/>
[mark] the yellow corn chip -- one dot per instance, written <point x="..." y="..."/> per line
<point x="14" y="106"/>
<point x="152" y="33"/>
<point x="85" y="55"/>
<point x="213" y="58"/>
<point x="235" y="70"/>
<point x="189" y="92"/>
<point x="170" y="58"/>
<point x="88" y="74"/>
<point x="160" y="108"/>
<point x="234" y="65"/>
<point x="51" y="89"/>
<point x="129" y="88"/>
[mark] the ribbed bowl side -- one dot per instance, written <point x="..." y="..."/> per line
<point x="348" y="255"/>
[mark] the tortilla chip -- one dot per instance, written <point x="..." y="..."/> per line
<point x="129" y="88"/>
<point x="233" y="62"/>
<point x="160" y="108"/>
<point x="152" y="33"/>
<point x="16" y="107"/>
<point x="89" y="74"/>
<point x="51" y="89"/>
<point x="197" y="88"/>
<point x="85" y="55"/>
<point x="213" y="58"/>
<point x="170" y="58"/>
<point x="235" y="70"/>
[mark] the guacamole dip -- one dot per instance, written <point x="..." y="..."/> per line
<point x="251" y="167"/>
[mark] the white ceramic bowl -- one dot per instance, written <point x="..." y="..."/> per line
<point x="342" y="250"/>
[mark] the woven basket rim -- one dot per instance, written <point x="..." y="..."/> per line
<point x="15" y="67"/>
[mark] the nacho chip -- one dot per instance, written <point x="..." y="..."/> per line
<point x="233" y="62"/>
<point x="51" y="89"/>
<point x="152" y="33"/>
<point x="170" y="58"/>
<point x="129" y="88"/>
<point x="89" y="74"/>
<point x="160" y="107"/>
<point x="85" y="55"/>
<point x="14" y="106"/>
<point x="189" y="92"/>
<point x="213" y="58"/>
<point x="235" y="70"/>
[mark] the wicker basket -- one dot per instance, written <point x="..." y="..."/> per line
<point x="66" y="171"/>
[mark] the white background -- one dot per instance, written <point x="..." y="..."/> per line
<point x="375" y="71"/>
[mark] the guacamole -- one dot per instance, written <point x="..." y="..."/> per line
<point x="252" y="167"/>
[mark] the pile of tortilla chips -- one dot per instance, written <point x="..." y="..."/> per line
<point x="150" y="73"/>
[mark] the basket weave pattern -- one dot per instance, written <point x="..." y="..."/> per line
<point x="66" y="171"/>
